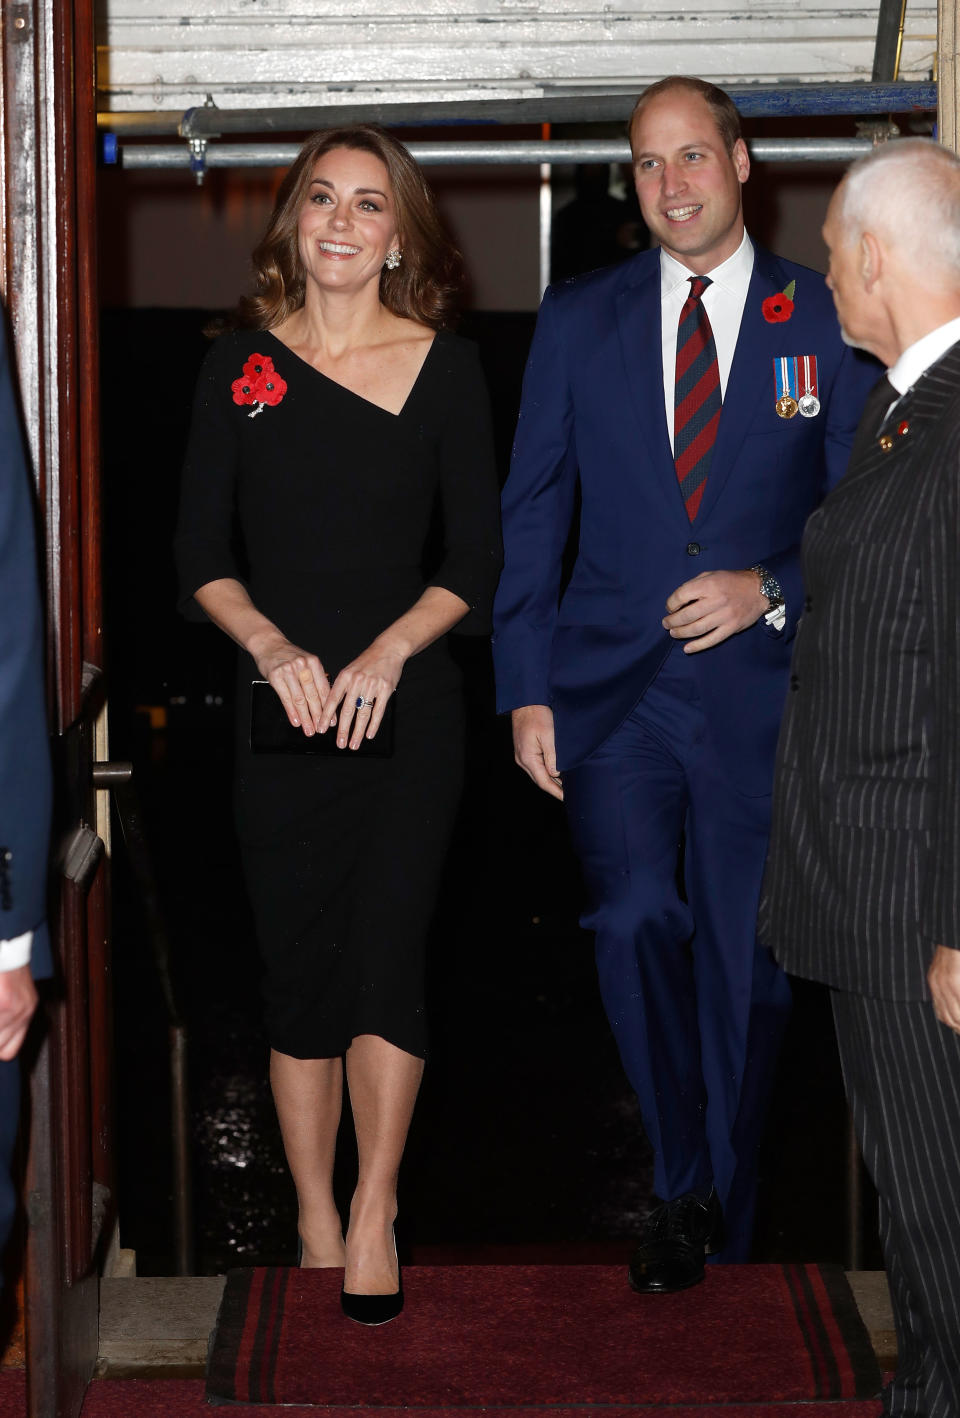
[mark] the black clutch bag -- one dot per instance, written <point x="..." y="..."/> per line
<point x="272" y="732"/>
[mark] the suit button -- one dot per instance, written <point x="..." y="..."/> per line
<point x="693" y="548"/>
<point x="794" y="683"/>
<point x="808" y="604"/>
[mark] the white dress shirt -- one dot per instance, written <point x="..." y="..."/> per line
<point x="918" y="357"/>
<point x="15" y="952"/>
<point x="723" y="301"/>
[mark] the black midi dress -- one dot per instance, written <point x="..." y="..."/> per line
<point x="322" y="503"/>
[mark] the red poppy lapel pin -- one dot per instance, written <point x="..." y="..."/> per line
<point x="259" y="384"/>
<point x="778" y="308"/>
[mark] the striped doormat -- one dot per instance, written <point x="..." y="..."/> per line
<point x="184" y="1398"/>
<point x="538" y="1336"/>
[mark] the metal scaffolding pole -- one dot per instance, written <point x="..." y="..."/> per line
<point x="886" y="55"/>
<point x="553" y="105"/>
<point x="481" y="154"/>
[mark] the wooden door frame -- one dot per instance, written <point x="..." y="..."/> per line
<point x="48" y="254"/>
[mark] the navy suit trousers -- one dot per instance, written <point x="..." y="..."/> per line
<point x="696" y="1004"/>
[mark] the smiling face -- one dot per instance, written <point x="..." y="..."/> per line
<point x="687" y="183"/>
<point x="348" y="222"/>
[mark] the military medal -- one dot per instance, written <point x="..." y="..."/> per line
<point x="785" y="378"/>
<point x="808" y="403"/>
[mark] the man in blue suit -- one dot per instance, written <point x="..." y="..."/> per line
<point x="702" y="401"/>
<point x="24" y="777"/>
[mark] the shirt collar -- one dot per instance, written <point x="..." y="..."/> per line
<point x="918" y="357"/>
<point x="733" y="274"/>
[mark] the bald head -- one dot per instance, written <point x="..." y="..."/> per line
<point x="907" y="194"/>
<point x="893" y="234"/>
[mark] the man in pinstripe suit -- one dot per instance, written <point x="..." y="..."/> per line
<point x="862" y="889"/>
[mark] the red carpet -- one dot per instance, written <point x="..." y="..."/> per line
<point x="183" y="1398"/>
<point x="532" y="1336"/>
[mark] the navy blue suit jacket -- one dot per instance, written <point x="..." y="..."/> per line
<point x="593" y="414"/>
<point x="24" y="750"/>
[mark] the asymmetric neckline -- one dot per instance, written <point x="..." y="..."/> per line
<point x="352" y="392"/>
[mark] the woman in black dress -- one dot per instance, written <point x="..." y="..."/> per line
<point x="326" y="431"/>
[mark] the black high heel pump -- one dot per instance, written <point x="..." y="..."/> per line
<point x="374" y="1309"/>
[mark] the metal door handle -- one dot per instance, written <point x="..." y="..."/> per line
<point x="111" y="774"/>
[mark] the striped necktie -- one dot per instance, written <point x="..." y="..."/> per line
<point x="696" y="397"/>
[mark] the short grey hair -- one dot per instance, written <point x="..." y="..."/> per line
<point x="908" y="193"/>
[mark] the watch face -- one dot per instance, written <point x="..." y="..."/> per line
<point x="769" y="585"/>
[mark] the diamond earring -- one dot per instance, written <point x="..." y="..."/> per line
<point x="393" y="259"/>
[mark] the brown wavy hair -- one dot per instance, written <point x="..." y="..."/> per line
<point x="424" y="287"/>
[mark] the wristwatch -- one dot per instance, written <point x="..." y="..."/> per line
<point x="769" y="586"/>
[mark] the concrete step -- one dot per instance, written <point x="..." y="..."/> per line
<point x="157" y="1327"/>
<point x="873" y="1301"/>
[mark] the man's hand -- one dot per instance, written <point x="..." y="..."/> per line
<point x="18" y="1000"/>
<point x="533" y="747"/>
<point x="714" y="606"/>
<point x="943" y="977"/>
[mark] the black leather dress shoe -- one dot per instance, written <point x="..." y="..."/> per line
<point x="676" y="1237"/>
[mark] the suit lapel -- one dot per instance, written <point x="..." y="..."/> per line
<point x="751" y="375"/>
<point x="866" y="452"/>
<point x="638" y="323"/>
<point x="922" y="405"/>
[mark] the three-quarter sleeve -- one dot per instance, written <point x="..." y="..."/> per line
<point x="204" y="546"/>
<point x="473" y="551"/>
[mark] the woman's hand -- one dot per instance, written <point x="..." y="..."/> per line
<point x="372" y="677"/>
<point x="298" y="678"/>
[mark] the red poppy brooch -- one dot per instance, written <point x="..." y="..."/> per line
<point x="778" y="308"/>
<point x="259" y="384"/>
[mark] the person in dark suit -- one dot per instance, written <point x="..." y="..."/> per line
<point x="701" y="399"/>
<point x="24" y="778"/>
<point x="595" y="228"/>
<point x="862" y="889"/>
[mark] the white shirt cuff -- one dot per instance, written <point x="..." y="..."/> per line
<point x="776" y="616"/>
<point x="15" y="952"/>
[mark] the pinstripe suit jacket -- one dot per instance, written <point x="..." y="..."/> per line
<point x="863" y="873"/>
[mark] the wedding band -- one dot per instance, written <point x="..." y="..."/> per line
<point x="362" y="703"/>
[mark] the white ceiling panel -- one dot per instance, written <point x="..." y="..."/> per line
<point x="270" y="53"/>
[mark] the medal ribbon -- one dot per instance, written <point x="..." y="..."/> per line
<point x="810" y="375"/>
<point x="785" y="374"/>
